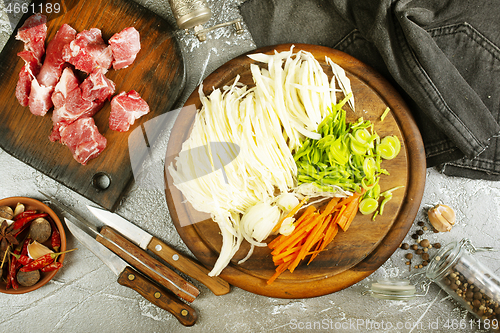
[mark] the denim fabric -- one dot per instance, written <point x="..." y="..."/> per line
<point x="442" y="55"/>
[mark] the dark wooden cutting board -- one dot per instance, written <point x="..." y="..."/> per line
<point x="157" y="74"/>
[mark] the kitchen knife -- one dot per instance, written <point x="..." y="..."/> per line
<point x="148" y="242"/>
<point x="128" y="277"/>
<point x="135" y="256"/>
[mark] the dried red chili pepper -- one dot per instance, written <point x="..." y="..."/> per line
<point x="55" y="239"/>
<point x="25" y="214"/>
<point x="18" y="226"/>
<point x="13" y="273"/>
<point x="8" y="283"/>
<point x="24" y="250"/>
<point x="42" y="261"/>
<point x="51" y="267"/>
<point x="22" y="259"/>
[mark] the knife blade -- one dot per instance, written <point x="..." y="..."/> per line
<point x="134" y="256"/>
<point x="129" y="277"/>
<point x="147" y="241"/>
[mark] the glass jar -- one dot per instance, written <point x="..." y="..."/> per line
<point x="461" y="275"/>
<point x="393" y="289"/>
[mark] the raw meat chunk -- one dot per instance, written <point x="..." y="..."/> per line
<point x="73" y="100"/>
<point x="39" y="100"/>
<point x="33" y="33"/>
<point x="125" y="45"/>
<point x="67" y="83"/>
<point x="88" y="51"/>
<point x="125" y="109"/>
<point x="83" y="139"/>
<point x="26" y="75"/>
<point x="97" y="87"/>
<point x="53" y="64"/>
<point x="43" y="86"/>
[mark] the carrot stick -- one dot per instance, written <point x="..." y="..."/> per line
<point x="348" y="199"/>
<point x="330" y="207"/>
<point x="352" y="215"/>
<point x="309" y="210"/>
<point x="350" y="208"/>
<point x="280" y="269"/>
<point x="332" y="232"/>
<point x="311" y="240"/>
<point x="290" y="214"/>
<point x="286" y="253"/>
<point x="292" y="239"/>
<point x="319" y="244"/>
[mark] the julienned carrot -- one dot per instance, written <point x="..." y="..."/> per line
<point x="351" y="207"/>
<point x="345" y="201"/>
<point x="286" y="253"/>
<point x="302" y="218"/>
<point x="280" y="269"/>
<point x="290" y="214"/>
<point x="313" y="232"/>
<point x="321" y="243"/>
<point x="313" y="239"/>
<point x="295" y="236"/>
<point x="351" y="217"/>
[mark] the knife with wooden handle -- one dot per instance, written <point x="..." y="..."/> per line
<point x="142" y="261"/>
<point x="128" y="277"/>
<point x="148" y="242"/>
<point x="186" y="315"/>
<point x="158" y="272"/>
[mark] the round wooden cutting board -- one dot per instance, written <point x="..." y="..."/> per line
<point x="354" y="254"/>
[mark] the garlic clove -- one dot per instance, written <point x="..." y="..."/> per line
<point x="36" y="250"/>
<point x="19" y="209"/>
<point x="287" y="226"/>
<point x="442" y="217"/>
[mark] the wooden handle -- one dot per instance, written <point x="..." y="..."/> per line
<point x="159" y="297"/>
<point x="189" y="267"/>
<point x="149" y="266"/>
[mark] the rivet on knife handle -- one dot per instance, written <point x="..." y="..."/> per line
<point x="159" y="297"/>
<point x="149" y="266"/>
<point x="216" y="284"/>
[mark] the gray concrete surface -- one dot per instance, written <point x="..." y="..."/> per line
<point x="84" y="295"/>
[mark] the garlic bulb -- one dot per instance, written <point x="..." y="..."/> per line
<point x="442" y="217"/>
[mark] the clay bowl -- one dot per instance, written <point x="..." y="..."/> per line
<point x="30" y="203"/>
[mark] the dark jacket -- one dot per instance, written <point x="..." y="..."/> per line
<point x="442" y="55"/>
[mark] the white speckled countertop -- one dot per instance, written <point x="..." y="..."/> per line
<point x="84" y="295"/>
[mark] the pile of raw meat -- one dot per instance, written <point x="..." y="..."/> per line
<point x="52" y="82"/>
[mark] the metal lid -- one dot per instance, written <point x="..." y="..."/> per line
<point x="194" y="18"/>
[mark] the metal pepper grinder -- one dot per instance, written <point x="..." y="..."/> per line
<point x="193" y="14"/>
